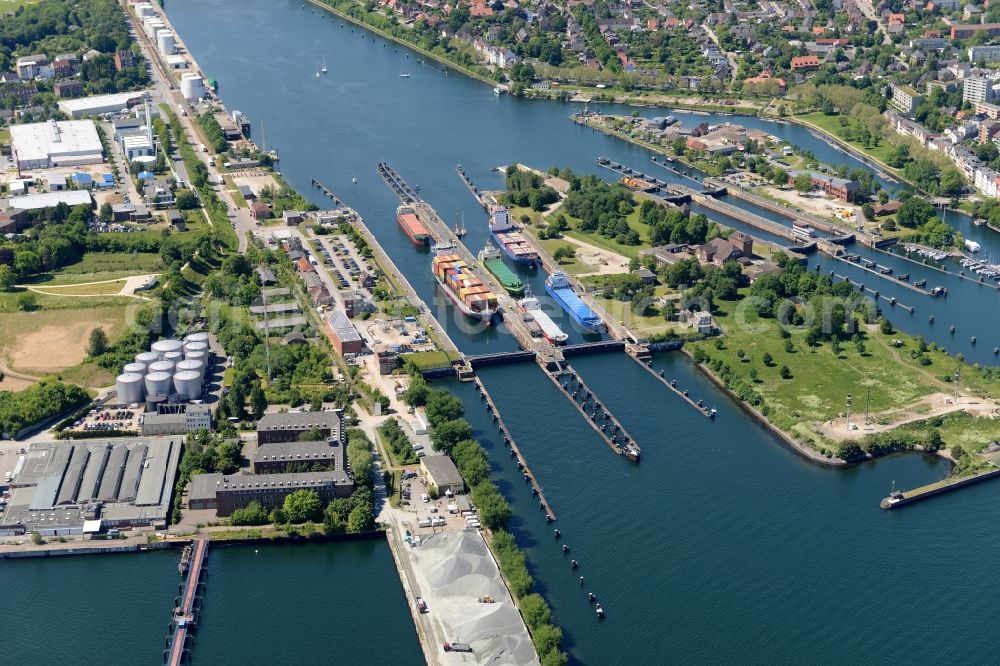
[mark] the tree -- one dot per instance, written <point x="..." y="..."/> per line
<point x="885" y="326"/>
<point x="417" y="392"/>
<point x="107" y="213"/>
<point x="361" y="519"/>
<point x="27" y="301"/>
<point x="563" y="253"/>
<point x="7" y="278"/>
<point x="768" y="359"/>
<point x="302" y="505"/>
<point x="535" y="611"/>
<point x="258" y="401"/>
<point x="252" y="514"/>
<point x="443" y="406"/>
<point x="914" y="212"/>
<point x="784" y="372"/>
<point x="447" y="434"/>
<point x="779" y="176"/>
<point x="312" y="435"/>
<point x="98" y="343"/>
<point x="546" y="638"/>
<point x="803" y="183"/>
<point x="186" y="200"/>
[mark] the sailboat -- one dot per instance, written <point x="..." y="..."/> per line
<point x="460" y="227"/>
<point x="317" y="74"/>
<point x="323" y="68"/>
<point x="404" y="75"/>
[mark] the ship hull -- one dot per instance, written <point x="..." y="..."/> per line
<point x="592" y="324"/>
<point x="529" y="261"/>
<point x="486" y="316"/>
<point x="419" y="238"/>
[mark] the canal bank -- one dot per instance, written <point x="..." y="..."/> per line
<point x="698" y="538"/>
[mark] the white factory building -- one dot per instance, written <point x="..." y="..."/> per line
<point x="100" y="104"/>
<point x="56" y="143"/>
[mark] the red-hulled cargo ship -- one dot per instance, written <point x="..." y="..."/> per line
<point x="412" y="226"/>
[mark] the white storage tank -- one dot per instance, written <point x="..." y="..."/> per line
<point x="163" y="346"/>
<point x="197" y="356"/>
<point x="195" y="346"/>
<point x="158" y="382"/>
<point x="134" y="369"/>
<point x="165" y="42"/>
<point x="162" y="366"/>
<point x="196" y="337"/>
<point x="147" y="358"/>
<point x="188" y="384"/>
<point x="192" y="86"/>
<point x="129" y="388"/>
<point x="174" y="356"/>
<point x="191" y="365"/>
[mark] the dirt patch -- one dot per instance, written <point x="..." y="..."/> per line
<point x="53" y="347"/>
<point x="935" y="404"/>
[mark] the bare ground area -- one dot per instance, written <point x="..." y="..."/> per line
<point x="44" y="342"/>
<point x="598" y="260"/>
<point x="935" y="404"/>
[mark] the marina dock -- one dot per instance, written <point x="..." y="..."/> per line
<point x="185" y="617"/>
<point x="515" y="452"/>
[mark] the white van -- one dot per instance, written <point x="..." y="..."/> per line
<point x="424" y="522"/>
<point x="474" y="524"/>
<point x="438" y="521"/>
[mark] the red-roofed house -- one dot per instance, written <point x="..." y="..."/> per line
<point x="259" y="210"/>
<point x="765" y="77"/>
<point x="800" y="63"/>
<point x="653" y="24"/>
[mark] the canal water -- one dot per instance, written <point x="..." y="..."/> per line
<point x="262" y="605"/>
<point x="722" y="544"/>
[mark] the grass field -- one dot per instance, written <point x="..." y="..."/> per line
<point x="96" y="266"/>
<point x="11" y="5"/>
<point x="429" y="360"/>
<point x="50" y="341"/>
<point x="820" y="380"/>
<point x="99" y="289"/>
<point x="831" y="125"/>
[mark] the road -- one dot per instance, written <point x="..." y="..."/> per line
<point x="164" y="91"/>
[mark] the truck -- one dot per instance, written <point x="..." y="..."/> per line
<point x="457" y="647"/>
<point x="181" y="110"/>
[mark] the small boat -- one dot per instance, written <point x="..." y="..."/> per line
<point x="354" y="180"/>
<point x="404" y="75"/>
<point x="460" y="227"/>
<point x="317" y="74"/>
<point x="323" y="68"/>
<point x="497" y="90"/>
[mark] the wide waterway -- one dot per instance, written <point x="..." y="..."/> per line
<point x="721" y="546"/>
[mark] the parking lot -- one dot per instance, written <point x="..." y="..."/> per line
<point x="108" y="420"/>
<point x="346" y="266"/>
<point x="433" y="515"/>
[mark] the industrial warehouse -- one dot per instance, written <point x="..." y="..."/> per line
<point x="56" y="144"/>
<point x="61" y="488"/>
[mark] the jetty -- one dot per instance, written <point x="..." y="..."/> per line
<point x="571" y="384"/>
<point x="326" y="191"/>
<point x="483" y="200"/>
<point x="898" y="498"/>
<point x="515" y="452"/>
<point x="683" y="394"/>
<point x="875" y="270"/>
<point x="184" y="620"/>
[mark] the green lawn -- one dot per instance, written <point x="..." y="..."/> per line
<point x="96" y="266"/>
<point x="831" y="124"/>
<point x="429" y="360"/>
<point x="12" y="5"/>
<point x="821" y="380"/>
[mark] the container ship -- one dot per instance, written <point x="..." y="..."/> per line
<point x="530" y="306"/>
<point x="490" y="257"/>
<point x="464" y="287"/>
<point x="412" y="226"/>
<point x="510" y="239"/>
<point x="560" y="289"/>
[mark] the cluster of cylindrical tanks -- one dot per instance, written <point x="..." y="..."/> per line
<point x="169" y="367"/>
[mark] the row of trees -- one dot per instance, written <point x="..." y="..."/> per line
<point x="602" y="208"/>
<point x="36" y="403"/>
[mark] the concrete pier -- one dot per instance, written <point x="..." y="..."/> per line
<point x="705" y="411"/>
<point x="185" y="616"/>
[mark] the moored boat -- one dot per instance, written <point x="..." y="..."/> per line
<point x="490" y="257"/>
<point x="530" y="305"/>
<point x="509" y="238"/>
<point x="411" y="225"/>
<point x="464" y="287"/>
<point x="558" y="287"/>
<point x="802" y="230"/>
